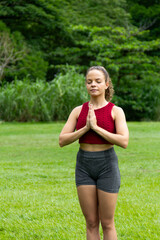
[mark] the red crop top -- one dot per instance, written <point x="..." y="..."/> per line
<point x="104" y="120"/>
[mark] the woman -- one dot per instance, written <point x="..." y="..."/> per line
<point x="99" y="124"/>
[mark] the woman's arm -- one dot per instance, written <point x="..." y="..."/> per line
<point x="68" y="133"/>
<point x="121" y="137"/>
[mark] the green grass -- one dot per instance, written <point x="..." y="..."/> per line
<point x="38" y="198"/>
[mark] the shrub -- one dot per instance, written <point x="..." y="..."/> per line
<point x="42" y="101"/>
<point x="70" y="91"/>
<point x="26" y="101"/>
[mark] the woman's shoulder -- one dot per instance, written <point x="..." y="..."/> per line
<point x="117" y="111"/>
<point x="117" y="108"/>
<point x="78" y="109"/>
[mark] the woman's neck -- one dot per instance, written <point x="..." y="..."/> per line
<point x="98" y="102"/>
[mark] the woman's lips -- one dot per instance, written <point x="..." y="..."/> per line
<point x="93" y="90"/>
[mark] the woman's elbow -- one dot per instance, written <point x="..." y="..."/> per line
<point x="125" y="144"/>
<point x="61" y="143"/>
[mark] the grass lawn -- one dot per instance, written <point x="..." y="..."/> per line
<point x="38" y="198"/>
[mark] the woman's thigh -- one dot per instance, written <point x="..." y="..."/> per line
<point x="88" y="200"/>
<point x="107" y="204"/>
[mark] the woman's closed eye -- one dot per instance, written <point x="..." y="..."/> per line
<point x="90" y="82"/>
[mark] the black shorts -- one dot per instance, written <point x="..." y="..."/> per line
<point x="98" y="168"/>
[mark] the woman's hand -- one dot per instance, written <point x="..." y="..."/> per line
<point x="92" y="117"/>
<point x="88" y="122"/>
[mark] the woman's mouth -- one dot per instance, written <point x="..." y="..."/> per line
<point x="93" y="90"/>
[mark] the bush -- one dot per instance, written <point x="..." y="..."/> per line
<point x="26" y="101"/>
<point x="70" y="91"/>
<point x="130" y="61"/>
<point x="42" y="101"/>
<point x="48" y="101"/>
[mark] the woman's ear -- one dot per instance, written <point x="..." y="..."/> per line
<point x="107" y="84"/>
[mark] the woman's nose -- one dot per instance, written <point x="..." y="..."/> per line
<point x="93" y="83"/>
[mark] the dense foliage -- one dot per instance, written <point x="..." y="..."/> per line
<point x="54" y="100"/>
<point x="146" y="15"/>
<point x="40" y="100"/>
<point x="53" y="42"/>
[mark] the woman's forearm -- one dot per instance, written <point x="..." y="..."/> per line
<point x="118" y="139"/>
<point x="67" y="138"/>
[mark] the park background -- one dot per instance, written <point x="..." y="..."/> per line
<point x="46" y="46"/>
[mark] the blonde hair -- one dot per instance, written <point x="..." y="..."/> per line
<point x="109" y="91"/>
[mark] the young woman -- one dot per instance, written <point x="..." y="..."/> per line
<point x="99" y="125"/>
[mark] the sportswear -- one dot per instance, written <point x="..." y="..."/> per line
<point x="104" y="120"/>
<point x="98" y="168"/>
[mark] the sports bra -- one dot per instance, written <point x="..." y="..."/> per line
<point x="104" y="120"/>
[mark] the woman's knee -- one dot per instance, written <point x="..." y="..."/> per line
<point x="92" y="223"/>
<point x="107" y="225"/>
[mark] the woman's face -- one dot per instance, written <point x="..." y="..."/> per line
<point x="95" y="83"/>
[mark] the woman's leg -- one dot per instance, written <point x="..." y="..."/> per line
<point x="89" y="204"/>
<point x="107" y="204"/>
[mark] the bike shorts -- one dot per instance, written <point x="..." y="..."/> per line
<point x="98" y="168"/>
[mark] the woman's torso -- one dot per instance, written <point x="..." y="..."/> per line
<point x="94" y="147"/>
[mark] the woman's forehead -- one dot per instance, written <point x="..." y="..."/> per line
<point x="95" y="74"/>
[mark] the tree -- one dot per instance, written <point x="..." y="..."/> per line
<point x="146" y="16"/>
<point x="44" y="23"/>
<point x="9" y="54"/>
<point x="128" y="59"/>
<point x="98" y="13"/>
<point x="39" y="21"/>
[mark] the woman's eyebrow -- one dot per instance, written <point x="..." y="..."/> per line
<point x="95" y="79"/>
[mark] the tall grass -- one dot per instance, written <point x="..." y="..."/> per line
<point x="40" y="100"/>
<point x="27" y="101"/>
<point x="70" y="91"/>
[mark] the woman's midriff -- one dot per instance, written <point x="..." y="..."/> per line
<point x="95" y="147"/>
